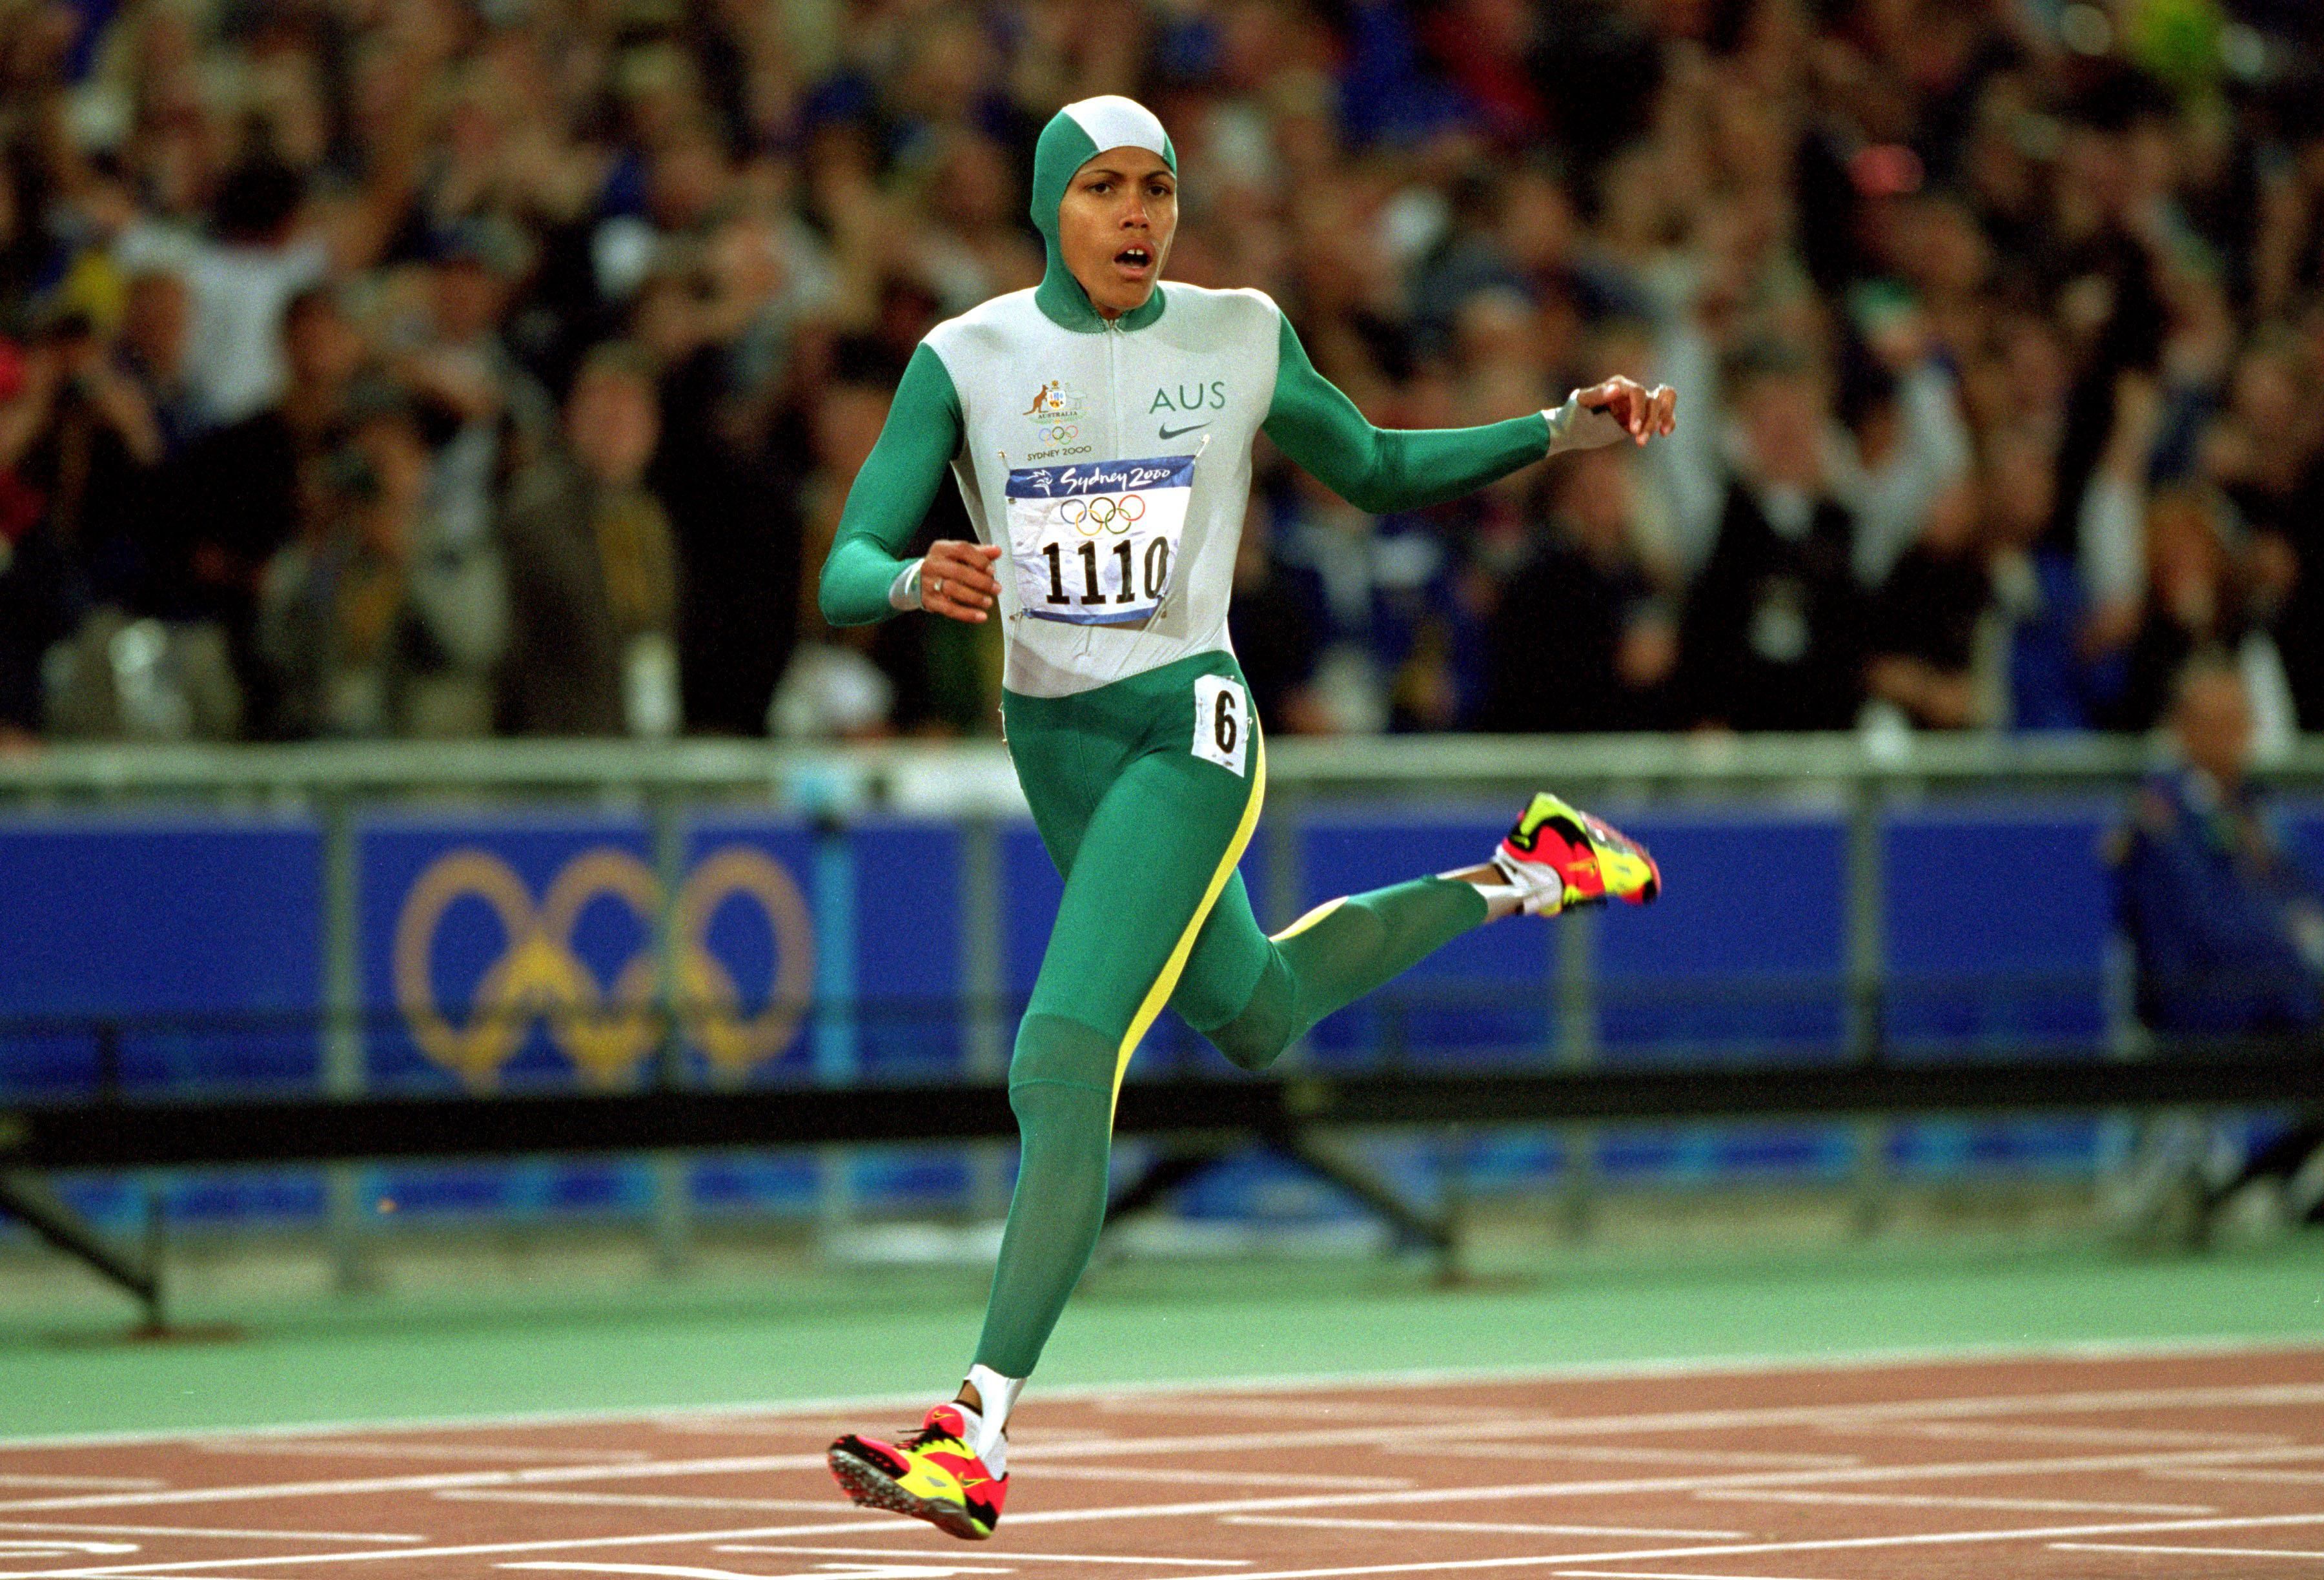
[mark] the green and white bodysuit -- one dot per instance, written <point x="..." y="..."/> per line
<point x="1111" y="461"/>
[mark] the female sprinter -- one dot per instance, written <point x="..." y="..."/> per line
<point x="1100" y="429"/>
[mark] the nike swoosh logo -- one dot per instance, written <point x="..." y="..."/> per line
<point x="1175" y="432"/>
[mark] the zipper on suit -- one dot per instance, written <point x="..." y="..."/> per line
<point x="1113" y="379"/>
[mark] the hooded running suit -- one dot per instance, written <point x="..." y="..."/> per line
<point x="1111" y="461"/>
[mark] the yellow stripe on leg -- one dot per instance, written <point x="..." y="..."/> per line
<point x="1308" y="920"/>
<point x="1168" y="983"/>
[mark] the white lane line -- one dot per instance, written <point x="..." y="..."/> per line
<point x="117" y="1482"/>
<point x="2122" y="1547"/>
<point x="812" y="1505"/>
<point x="1625" y="1455"/>
<point x="1535" y="1429"/>
<point x="890" y="1571"/>
<point x="725" y="1465"/>
<point x="1932" y="1500"/>
<point x="1749" y="1549"/>
<point x="637" y="1501"/>
<point x="1339" y="1523"/>
<point x="1652" y="1575"/>
<point x="2112" y="1436"/>
<point x="1219" y="1478"/>
<point x="866" y="1525"/>
<point x="1197" y="1403"/>
<point x="1858" y="1362"/>
<point x="208" y="1531"/>
<point x="55" y="1548"/>
<point x="1012" y="1557"/>
<point x="307" y="1447"/>
<point x="2305" y="1478"/>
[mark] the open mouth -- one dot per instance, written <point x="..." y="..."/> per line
<point x="1135" y="259"/>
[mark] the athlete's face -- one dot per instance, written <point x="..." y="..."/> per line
<point x="1115" y="226"/>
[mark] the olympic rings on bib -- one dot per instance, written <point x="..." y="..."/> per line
<point x="1100" y="512"/>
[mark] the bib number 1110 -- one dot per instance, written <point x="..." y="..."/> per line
<point x="1076" y="576"/>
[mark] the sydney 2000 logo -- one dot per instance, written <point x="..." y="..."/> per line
<point x="605" y="1028"/>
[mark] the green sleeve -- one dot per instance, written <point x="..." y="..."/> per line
<point x="1386" y="469"/>
<point x="891" y="495"/>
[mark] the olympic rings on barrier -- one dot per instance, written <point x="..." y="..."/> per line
<point x="1091" y="515"/>
<point x="1063" y="431"/>
<point x="538" y="976"/>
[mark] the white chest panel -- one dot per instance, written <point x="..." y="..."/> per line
<point x="1079" y="459"/>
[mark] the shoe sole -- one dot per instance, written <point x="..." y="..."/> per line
<point x="867" y="1484"/>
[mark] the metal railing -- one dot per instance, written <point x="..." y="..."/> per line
<point x="886" y="770"/>
<point x="1858" y="777"/>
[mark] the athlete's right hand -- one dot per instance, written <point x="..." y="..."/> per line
<point x="957" y="579"/>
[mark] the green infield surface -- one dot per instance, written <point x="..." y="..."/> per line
<point x="503" y="1346"/>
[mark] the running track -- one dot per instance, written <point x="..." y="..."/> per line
<point x="2068" y="1467"/>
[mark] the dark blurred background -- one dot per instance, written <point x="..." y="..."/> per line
<point x="430" y="368"/>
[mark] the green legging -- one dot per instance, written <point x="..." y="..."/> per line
<point x="1148" y="833"/>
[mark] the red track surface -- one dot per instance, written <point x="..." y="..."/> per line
<point x="2067" y="1468"/>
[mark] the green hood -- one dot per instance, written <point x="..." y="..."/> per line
<point x="1075" y="135"/>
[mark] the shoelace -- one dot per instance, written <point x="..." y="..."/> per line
<point x="916" y="1438"/>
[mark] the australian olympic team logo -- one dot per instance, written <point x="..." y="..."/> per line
<point x="1091" y="515"/>
<point x="604" y="1030"/>
<point x="1056" y="411"/>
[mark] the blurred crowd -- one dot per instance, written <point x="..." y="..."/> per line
<point x="451" y="367"/>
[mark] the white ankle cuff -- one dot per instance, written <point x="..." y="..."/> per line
<point x="1000" y="1396"/>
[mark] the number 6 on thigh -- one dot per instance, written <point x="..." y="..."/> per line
<point x="1221" y="722"/>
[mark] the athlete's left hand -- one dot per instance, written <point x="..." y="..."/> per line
<point x="1642" y="411"/>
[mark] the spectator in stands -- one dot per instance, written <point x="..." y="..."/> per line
<point x="1907" y="442"/>
<point x="1773" y="631"/>
<point x="244" y="493"/>
<point x="268" y="243"/>
<point x="1585" y="610"/>
<point x="84" y="447"/>
<point x="386" y="617"/>
<point x="723" y="331"/>
<point x="593" y="569"/>
<point x="1927" y="618"/>
<point x="2265" y="453"/>
<point x="86" y="435"/>
<point x="2201" y="594"/>
<point x="833" y="687"/>
<point x="2227" y="928"/>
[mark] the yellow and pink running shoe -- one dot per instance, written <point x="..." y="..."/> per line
<point x="933" y="1476"/>
<point x="1561" y="857"/>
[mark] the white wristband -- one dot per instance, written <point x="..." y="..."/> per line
<point x="904" y="592"/>
<point x="1571" y="428"/>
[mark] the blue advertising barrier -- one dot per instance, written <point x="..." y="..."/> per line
<point x="517" y="950"/>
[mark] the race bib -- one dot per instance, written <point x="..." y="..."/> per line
<point x="1096" y="544"/>
<point x="1222" y="723"/>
